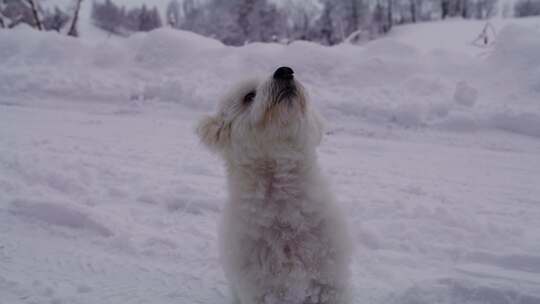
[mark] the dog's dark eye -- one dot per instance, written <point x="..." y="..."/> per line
<point x="249" y="98"/>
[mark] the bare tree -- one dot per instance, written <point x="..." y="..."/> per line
<point x="465" y="8"/>
<point x="445" y="8"/>
<point x="415" y="10"/>
<point x="390" y="13"/>
<point x="35" y="13"/>
<point x="2" y="17"/>
<point x="73" y="27"/>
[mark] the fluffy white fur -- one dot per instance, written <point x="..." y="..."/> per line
<point x="282" y="239"/>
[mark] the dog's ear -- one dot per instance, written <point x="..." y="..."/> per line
<point x="213" y="132"/>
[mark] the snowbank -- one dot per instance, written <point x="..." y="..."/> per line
<point x="389" y="81"/>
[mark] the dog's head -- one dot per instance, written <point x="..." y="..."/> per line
<point x="263" y="119"/>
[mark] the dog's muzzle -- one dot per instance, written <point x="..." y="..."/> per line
<point x="284" y="85"/>
<point x="284" y="73"/>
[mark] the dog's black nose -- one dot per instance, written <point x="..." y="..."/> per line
<point x="284" y="73"/>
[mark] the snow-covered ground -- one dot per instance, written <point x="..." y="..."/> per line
<point x="433" y="150"/>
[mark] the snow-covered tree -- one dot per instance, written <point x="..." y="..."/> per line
<point x="107" y="16"/>
<point x="149" y="19"/>
<point x="479" y="9"/>
<point x="484" y="9"/>
<point x="525" y="8"/>
<point x="116" y="20"/>
<point x="414" y="9"/>
<point x="354" y="15"/>
<point x="325" y="27"/>
<point x="266" y="22"/>
<point x="235" y="22"/>
<point x="56" y="20"/>
<point x="301" y="19"/>
<point x="142" y="19"/>
<point x="14" y="12"/>
<point x="172" y="14"/>
<point x="379" y="23"/>
<point x="257" y="20"/>
<point x="195" y="18"/>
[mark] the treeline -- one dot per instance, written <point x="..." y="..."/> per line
<point x="237" y="22"/>
<point x="526" y="8"/>
<point x="115" y="19"/>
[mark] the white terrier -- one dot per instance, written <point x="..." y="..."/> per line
<point x="282" y="239"/>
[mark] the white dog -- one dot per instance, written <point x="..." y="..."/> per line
<point x="282" y="239"/>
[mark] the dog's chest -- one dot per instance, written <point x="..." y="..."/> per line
<point x="276" y="199"/>
<point x="277" y="218"/>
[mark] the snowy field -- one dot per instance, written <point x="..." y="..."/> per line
<point x="432" y="148"/>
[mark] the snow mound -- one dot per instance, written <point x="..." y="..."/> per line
<point x="449" y="291"/>
<point x="465" y="94"/>
<point x="522" y="123"/>
<point x="389" y="81"/>
<point x="517" y="46"/>
<point x="56" y="214"/>
<point x="164" y="47"/>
